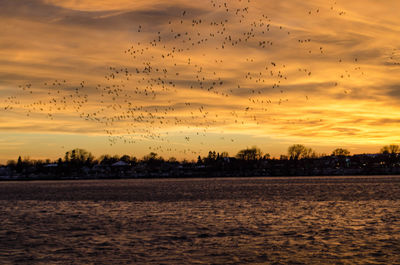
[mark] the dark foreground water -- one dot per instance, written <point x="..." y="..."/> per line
<point x="340" y="220"/>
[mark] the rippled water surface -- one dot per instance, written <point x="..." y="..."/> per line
<point x="339" y="220"/>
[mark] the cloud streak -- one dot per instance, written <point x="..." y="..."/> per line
<point x="296" y="71"/>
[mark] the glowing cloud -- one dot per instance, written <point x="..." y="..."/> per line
<point x="174" y="77"/>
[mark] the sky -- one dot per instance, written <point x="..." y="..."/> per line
<point x="180" y="78"/>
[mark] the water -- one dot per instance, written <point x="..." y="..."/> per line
<point x="339" y="220"/>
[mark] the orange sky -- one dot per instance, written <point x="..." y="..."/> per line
<point x="181" y="78"/>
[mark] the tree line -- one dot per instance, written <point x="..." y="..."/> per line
<point x="81" y="157"/>
<point x="298" y="160"/>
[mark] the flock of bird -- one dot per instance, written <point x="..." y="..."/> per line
<point x="186" y="61"/>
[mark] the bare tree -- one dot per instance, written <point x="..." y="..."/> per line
<point x="340" y="152"/>
<point x="390" y="149"/>
<point x="79" y="156"/>
<point x="253" y="153"/>
<point x="299" y="151"/>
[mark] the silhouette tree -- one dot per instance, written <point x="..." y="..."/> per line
<point x="172" y="160"/>
<point x="11" y="163"/>
<point x="252" y="154"/>
<point x="152" y="157"/>
<point x="212" y="155"/>
<point x="79" y="156"/>
<point x="108" y="160"/>
<point x="19" y="165"/>
<point x="125" y="158"/>
<point x="224" y="155"/>
<point x="390" y="153"/>
<point x="153" y="161"/>
<point x="340" y="152"/>
<point x="299" y="151"/>
<point x="390" y="149"/>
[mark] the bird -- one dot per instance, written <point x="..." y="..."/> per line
<point x="189" y="53"/>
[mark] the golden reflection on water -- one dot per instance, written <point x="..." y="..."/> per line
<point x="258" y="228"/>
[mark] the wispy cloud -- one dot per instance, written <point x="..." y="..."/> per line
<point x="312" y="71"/>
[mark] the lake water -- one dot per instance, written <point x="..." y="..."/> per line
<point x="308" y="220"/>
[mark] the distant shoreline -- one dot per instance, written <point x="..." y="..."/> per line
<point x="199" y="177"/>
<point x="213" y="166"/>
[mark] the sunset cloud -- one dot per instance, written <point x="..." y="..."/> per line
<point x="174" y="76"/>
